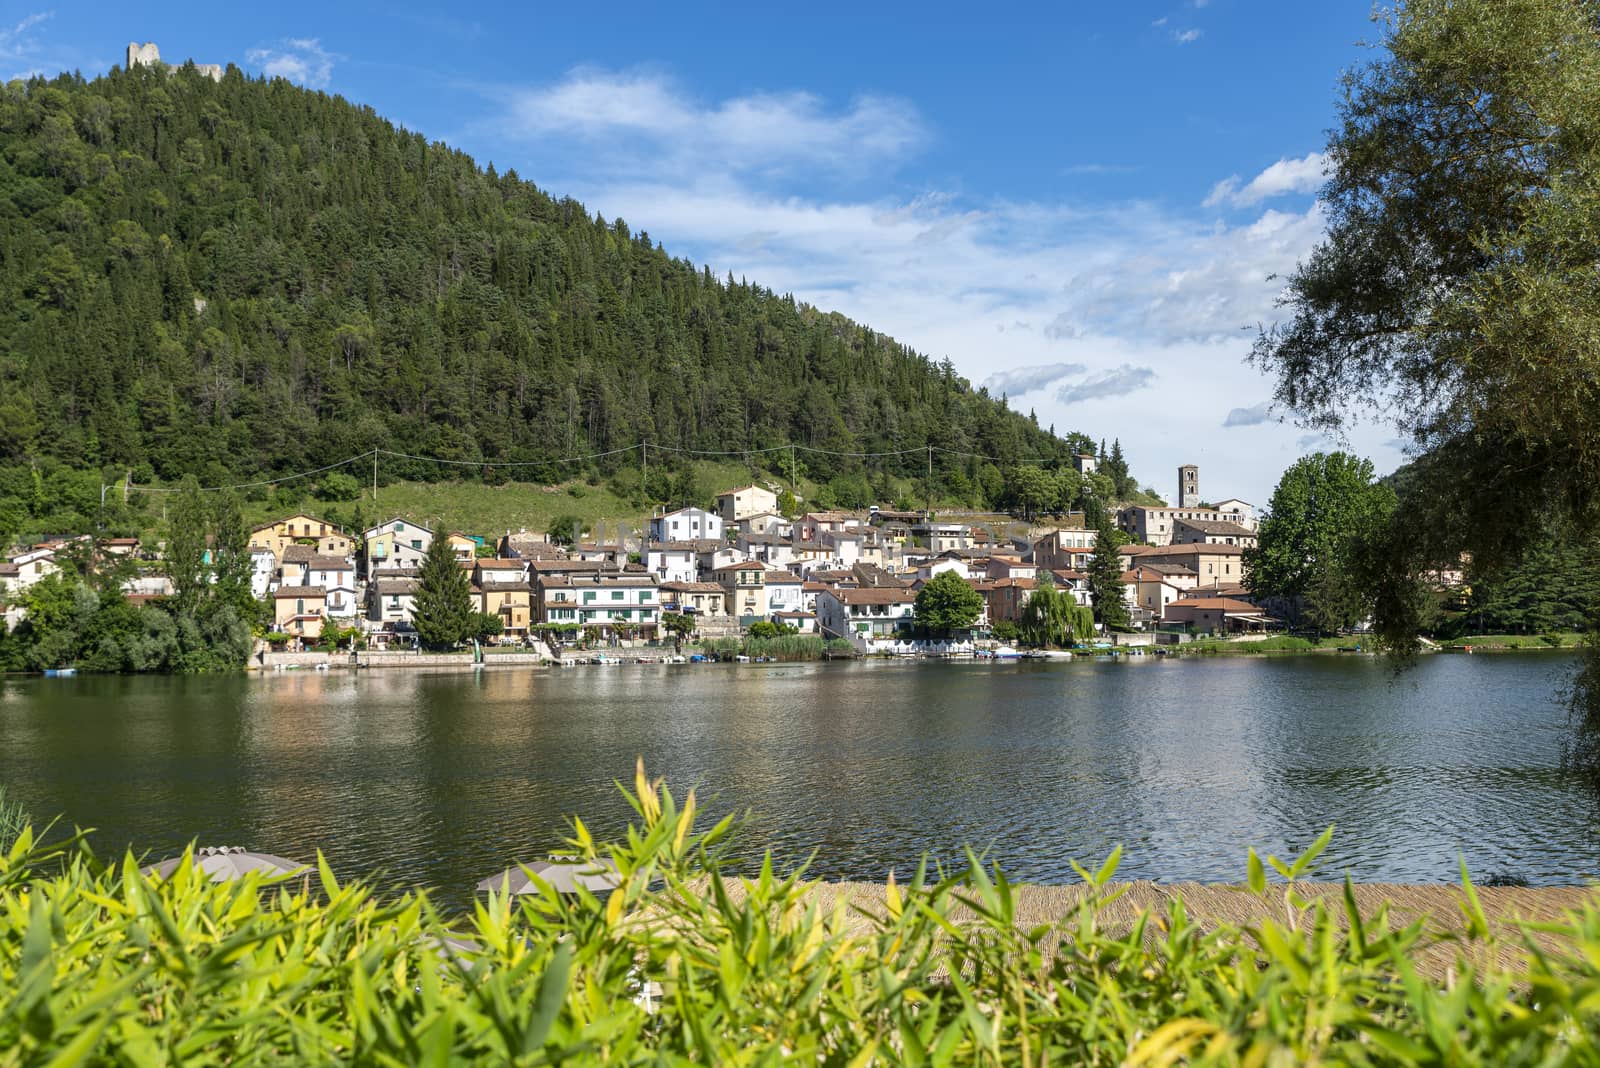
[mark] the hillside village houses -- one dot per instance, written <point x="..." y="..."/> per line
<point x="395" y="544"/>
<point x="840" y="574"/>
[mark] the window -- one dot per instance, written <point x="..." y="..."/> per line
<point x="416" y="543"/>
<point x="617" y="595"/>
<point x="644" y="595"/>
<point x="300" y="607"/>
<point x="587" y="597"/>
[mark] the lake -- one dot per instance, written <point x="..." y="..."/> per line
<point x="439" y="779"/>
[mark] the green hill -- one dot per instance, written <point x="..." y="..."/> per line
<point x="243" y="279"/>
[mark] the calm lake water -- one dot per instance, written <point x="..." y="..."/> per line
<point x="441" y="778"/>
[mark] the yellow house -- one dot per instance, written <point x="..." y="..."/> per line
<point x="301" y="529"/>
<point x="512" y="602"/>
<point x="464" y="547"/>
<point x="299" y="610"/>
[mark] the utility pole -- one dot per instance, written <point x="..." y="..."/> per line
<point x="930" y="482"/>
<point x="374" y="476"/>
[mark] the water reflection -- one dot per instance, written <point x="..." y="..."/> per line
<point x="438" y="778"/>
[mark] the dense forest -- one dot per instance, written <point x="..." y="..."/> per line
<point x="242" y="279"/>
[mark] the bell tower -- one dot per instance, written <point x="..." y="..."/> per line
<point x="1188" y="486"/>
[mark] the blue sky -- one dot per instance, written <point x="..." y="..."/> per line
<point x="1082" y="204"/>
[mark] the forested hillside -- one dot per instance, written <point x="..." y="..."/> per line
<point x="244" y="279"/>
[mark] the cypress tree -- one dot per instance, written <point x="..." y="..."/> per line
<point x="442" y="612"/>
<point x="1105" y="578"/>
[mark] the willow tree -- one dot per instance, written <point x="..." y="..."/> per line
<point x="1053" y="617"/>
<point x="1455" y="292"/>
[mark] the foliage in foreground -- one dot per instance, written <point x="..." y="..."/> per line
<point x="683" y="963"/>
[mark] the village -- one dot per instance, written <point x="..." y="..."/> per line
<point x="846" y="577"/>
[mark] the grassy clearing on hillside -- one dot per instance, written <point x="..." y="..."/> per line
<point x="490" y="510"/>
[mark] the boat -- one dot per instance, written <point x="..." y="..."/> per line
<point x="1005" y="652"/>
<point x="60" y="673"/>
<point x="602" y="658"/>
<point x="741" y="659"/>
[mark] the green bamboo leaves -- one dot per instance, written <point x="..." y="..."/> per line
<point x="685" y="963"/>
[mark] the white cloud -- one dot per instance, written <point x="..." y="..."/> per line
<point x="1252" y="416"/>
<point x="1020" y="380"/>
<point x="647" y="115"/>
<point x="18" y="42"/>
<point x="299" y="59"/>
<point x="1116" y="382"/>
<point x="1186" y="36"/>
<point x="1152" y="308"/>
<point x="1303" y="175"/>
<point x="1162" y="21"/>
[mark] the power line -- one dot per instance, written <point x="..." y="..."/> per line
<point x="253" y="485"/>
<point x="509" y="463"/>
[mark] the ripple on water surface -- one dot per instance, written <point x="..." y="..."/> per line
<point x="438" y="779"/>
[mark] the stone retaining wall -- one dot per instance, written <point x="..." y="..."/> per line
<point x="311" y="661"/>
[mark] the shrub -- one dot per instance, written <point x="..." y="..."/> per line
<point x="12" y="820"/>
<point x="683" y="963"/>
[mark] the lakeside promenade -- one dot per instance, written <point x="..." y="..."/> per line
<point x="1210" y="905"/>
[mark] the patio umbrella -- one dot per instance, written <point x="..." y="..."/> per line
<point x="566" y="876"/>
<point x="229" y="862"/>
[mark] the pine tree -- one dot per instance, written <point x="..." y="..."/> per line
<point x="1105" y="578"/>
<point x="1117" y="468"/>
<point x="442" y="611"/>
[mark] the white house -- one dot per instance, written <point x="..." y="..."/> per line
<point x="673" y="561"/>
<point x="871" y="619"/>
<point x="940" y="564"/>
<point x="784" y="593"/>
<point x="804" y="622"/>
<point x="33" y="565"/>
<point x="771" y="549"/>
<point x="389" y="600"/>
<point x="766" y="523"/>
<point x="686" y="524"/>
<point x="337" y="577"/>
<point x="711" y="561"/>
<point x="844" y="544"/>
<point x="746" y="501"/>
<point x="942" y="537"/>
<point x="602" y="602"/>
<point x="494" y="571"/>
<point x="1237" y="511"/>
<point x="399" y="543"/>
<point x="263" y="568"/>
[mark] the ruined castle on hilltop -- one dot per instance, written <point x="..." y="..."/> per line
<point x="148" y="55"/>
